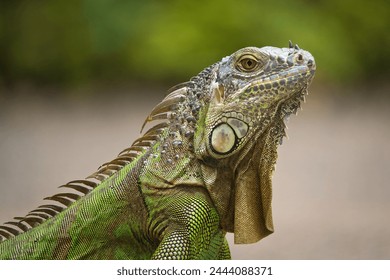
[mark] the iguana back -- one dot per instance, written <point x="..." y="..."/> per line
<point x="202" y="170"/>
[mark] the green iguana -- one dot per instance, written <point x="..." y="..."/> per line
<point x="202" y="170"/>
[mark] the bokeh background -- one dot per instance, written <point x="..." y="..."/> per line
<point x="78" y="77"/>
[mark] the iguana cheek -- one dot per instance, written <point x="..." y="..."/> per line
<point x="223" y="139"/>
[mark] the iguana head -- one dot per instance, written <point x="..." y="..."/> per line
<point x="250" y="93"/>
<point x="251" y="89"/>
<point x="221" y="130"/>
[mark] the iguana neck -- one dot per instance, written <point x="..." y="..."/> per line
<point x="241" y="187"/>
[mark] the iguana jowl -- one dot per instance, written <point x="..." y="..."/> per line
<point x="203" y="170"/>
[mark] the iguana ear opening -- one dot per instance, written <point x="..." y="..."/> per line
<point x="253" y="195"/>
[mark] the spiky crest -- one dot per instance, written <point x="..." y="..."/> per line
<point x="42" y="213"/>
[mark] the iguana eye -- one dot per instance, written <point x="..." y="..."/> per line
<point x="247" y="63"/>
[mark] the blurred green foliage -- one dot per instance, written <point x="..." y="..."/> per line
<point x="83" y="41"/>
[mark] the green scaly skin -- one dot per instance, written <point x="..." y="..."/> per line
<point x="203" y="170"/>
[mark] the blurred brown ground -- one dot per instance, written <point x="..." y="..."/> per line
<point x="331" y="185"/>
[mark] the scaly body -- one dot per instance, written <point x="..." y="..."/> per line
<point x="203" y="170"/>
